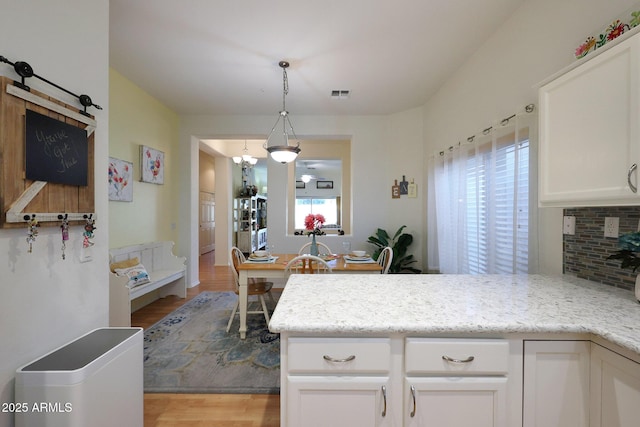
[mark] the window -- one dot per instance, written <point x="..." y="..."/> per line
<point x="497" y="186"/>
<point x="327" y="207"/>
<point x="480" y="216"/>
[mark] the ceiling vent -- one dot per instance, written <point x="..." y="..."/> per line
<point x="339" y="94"/>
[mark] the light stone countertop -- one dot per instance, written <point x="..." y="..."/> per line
<point x="456" y="304"/>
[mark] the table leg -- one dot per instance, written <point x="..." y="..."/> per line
<point x="243" y="295"/>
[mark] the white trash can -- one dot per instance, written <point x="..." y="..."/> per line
<point x="95" y="381"/>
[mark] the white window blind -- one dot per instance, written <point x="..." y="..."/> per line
<point x="481" y="220"/>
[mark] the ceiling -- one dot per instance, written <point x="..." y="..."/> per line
<point x="220" y="57"/>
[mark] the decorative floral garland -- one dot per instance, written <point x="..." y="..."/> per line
<point x="616" y="29"/>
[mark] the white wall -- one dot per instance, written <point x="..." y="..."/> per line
<point x="383" y="149"/>
<point x="45" y="301"/>
<point x="537" y="41"/>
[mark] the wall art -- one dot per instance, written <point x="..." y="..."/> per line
<point x="151" y="165"/>
<point x="120" y="180"/>
<point x="324" y="185"/>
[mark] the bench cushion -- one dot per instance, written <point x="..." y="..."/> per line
<point x="124" y="264"/>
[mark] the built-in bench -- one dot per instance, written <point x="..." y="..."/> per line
<point x="167" y="276"/>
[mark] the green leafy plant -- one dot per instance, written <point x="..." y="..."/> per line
<point x="629" y="245"/>
<point x="399" y="243"/>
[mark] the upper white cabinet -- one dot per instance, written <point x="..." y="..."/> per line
<point x="590" y="131"/>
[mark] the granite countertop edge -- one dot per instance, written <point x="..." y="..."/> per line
<point x="457" y="305"/>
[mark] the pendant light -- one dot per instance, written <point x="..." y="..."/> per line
<point x="283" y="153"/>
<point x="246" y="160"/>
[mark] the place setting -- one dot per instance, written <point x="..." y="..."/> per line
<point x="358" y="257"/>
<point x="261" y="256"/>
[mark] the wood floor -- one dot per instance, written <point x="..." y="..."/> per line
<point x="199" y="410"/>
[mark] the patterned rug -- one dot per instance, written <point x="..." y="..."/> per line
<point x="189" y="351"/>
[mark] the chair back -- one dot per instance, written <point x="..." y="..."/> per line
<point x="237" y="258"/>
<point x="322" y="248"/>
<point x="385" y="258"/>
<point x="307" y="264"/>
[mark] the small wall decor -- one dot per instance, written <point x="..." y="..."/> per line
<point x="395" y="190"/>
<point x="324" y="185"/>
<point x="151" y="165"/>
<point x="300" y="184"/>
<point x="404" y="188"/>
<point x="412" y="190"/>
<point x="120" y="180"/>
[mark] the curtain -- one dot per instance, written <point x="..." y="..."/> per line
<point x="482" y="202"/>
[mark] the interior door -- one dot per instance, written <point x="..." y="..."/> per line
<point x="207" y="222"/>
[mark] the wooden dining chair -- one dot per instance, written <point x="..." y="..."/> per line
<point x="384" y="259"/>
<point x="255" y="287"/>
<point x="307" y="264"/>
<point x="322" y="248"/>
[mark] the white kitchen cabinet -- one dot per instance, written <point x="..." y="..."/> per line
<point x="615" y="389"/>
<point x="338" y="401"/>
<point x="556" y="384"/>
<point x="590" y="132"/>
<point x="456" y="382"/>
<point x="456" y="401"/>
<point x="338" y="382"/>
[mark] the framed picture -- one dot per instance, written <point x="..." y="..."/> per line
<point x="151" y="165"/>
<point x="324" y="185"/>
<point x="120" y="180"/>
<point x="300" y="184"/>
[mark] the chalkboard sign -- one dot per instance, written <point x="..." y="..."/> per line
<point x="56" y="151"/>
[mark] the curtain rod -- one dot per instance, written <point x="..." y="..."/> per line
<point x="529" y="108"/>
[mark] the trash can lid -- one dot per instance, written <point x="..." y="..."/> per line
<point x="79" y="353"/>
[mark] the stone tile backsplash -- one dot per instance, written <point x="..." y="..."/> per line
<point x="586" y="252"/>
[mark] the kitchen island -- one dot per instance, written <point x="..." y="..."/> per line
<point x="382" y="342"/>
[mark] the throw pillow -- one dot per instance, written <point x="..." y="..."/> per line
<point x="124" y="264"/>
<point x="137" y="275"/>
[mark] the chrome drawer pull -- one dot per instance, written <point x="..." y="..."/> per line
<point x="384" y="395"/>
<point x="331" y="359"/>
<point x="467" y="360"/>
<point x="413" y="397"/>
<point x="631" y="169"/>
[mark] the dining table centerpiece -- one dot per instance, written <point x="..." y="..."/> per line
<point x="629" y="246"/>
<point x="313" y="225"/>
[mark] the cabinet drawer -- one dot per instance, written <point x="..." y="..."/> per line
<point x="427" y="356"/>
<point x="335" y="355"/>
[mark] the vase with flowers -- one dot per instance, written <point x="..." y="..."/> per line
<point x="629" y="246"/>
<point x="313" y="225"/>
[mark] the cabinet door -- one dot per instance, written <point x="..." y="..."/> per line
<point x="556" y="384"/>
<point x="589" y="131"/>
<point x="455" y="401"/>
<point x="338" y="402"/>
<point x="615" y="389"/>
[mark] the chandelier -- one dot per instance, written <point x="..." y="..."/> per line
<point x="245" y="161"/>
<point x="283" y="153"/>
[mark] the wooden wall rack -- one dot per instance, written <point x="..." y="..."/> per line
<point x="21" y="198"/>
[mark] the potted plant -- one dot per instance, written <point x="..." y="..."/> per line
<point x="629" y="245"/>
<point x="399" y="243"/>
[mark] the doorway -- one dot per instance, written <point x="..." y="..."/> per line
<point x="207" y="222"/>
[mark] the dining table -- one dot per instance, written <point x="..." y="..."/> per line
<point x="274" y="268"/>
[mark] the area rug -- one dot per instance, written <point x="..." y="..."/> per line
<point x="189" y="350"/>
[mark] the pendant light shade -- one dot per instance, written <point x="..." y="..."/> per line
<point x="284" y="153"/>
